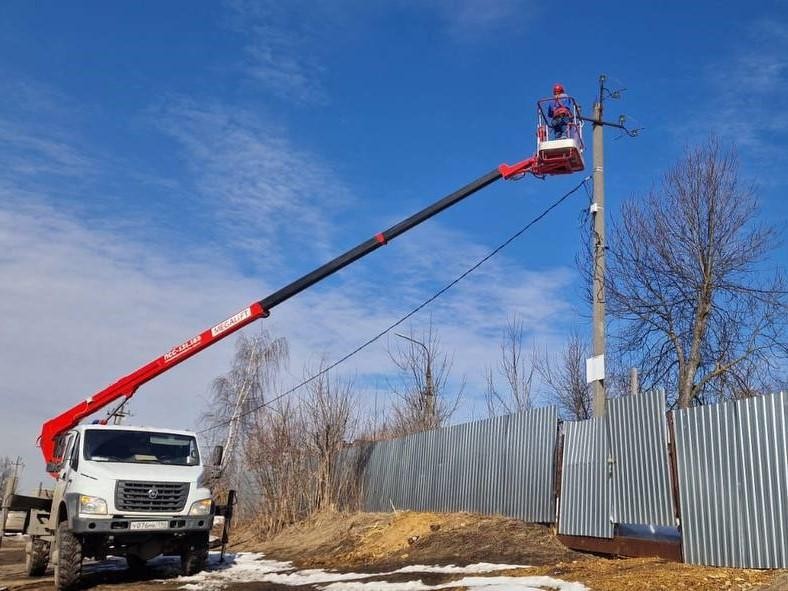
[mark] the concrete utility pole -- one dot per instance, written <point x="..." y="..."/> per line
<point x="634" y="382"/>
<point x="595" y="367"/>
<point x="429" y="387"/>
<point x="10" y="489"/>
<point x="598" y="239"/>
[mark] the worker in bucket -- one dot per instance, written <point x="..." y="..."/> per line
<point x="559" y="111"/>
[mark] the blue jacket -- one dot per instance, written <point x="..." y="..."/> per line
<point x="560" y="107"/>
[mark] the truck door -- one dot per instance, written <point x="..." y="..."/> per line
<point x="64" y="472"/>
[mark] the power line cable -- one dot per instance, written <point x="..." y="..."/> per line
<point x="413" y="312"/>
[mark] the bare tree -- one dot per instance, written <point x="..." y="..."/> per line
<point x="563" y="376"/>
<point x="516" y="370"/>
<point x="422" y="400"/>
<point x="687" y="282"/>
<point x="330" y="420"/>
<point x="278" y="470"/>
<point x="237" y="399"/>
<point x="282" y="454"/>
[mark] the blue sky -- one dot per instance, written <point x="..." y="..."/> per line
<point x="163" y="164"/>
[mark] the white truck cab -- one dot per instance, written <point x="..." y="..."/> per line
<point x="128" y="491"/>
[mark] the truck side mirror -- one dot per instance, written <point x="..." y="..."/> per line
<point x="218" y="454"/>
<point x="53" y="467"/>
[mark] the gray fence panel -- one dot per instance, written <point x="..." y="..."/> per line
<point x="528" y="491"/>
<point x="500" y="465"/>
<point x="585" y="482"/>
<point x="733" y="482"/>
<point x="764" y="457"/>
<point x="641" y="475"/>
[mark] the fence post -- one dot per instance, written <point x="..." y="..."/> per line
<point x="558" y="471"/>
<point x="674" y="476"/>
<point x="10" y="488"/>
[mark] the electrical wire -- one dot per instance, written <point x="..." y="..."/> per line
<point x="413" y="312"/>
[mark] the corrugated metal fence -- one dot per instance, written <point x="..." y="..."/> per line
<point x="585" y="483"/>
<point x="642" y="491"/>
<point x="616" y="469"/>
<point x="732" y="465"/>
<point x="503" y="465"/>
<point x="733" y="482"/>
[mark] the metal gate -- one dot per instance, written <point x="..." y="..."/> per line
<point x="642" y="488"/>
<point x="585" y="481"/>
<point x="615" y="469"/>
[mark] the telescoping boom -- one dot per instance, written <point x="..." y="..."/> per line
<point x="557" y="159"/>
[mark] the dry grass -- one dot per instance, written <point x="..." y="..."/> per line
<point x="655" y="574"/>
<point x="376" y="541"/>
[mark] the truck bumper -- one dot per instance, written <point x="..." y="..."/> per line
<point x="140" y="525"/>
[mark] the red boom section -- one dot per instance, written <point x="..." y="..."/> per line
<point x="128" y="385"/>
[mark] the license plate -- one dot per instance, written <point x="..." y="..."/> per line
<point x="149" y="525"/>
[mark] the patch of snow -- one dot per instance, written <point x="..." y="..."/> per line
<point x="244" y="567"/>
<point x="255" y="568"/>
<point x="314" y="577"/>
<point x="380" y="586"/>
<point x="317" y="576"/>
<point x="481" y="567"/>
<point x="530" y="583"/>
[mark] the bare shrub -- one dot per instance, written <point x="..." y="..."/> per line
<point x="563" y="376"/>
<point x="329" y="420"/>
<point x="422" y="400"/>
<point x="516" y="368"/>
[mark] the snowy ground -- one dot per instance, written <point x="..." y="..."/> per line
<point x="251" y="567"/>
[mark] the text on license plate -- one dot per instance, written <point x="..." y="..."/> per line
<point x="148" y="525"/>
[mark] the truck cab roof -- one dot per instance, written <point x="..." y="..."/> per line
<point x="86" y="426"/>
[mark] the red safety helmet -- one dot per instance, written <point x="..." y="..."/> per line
<point x="558" y="88"/>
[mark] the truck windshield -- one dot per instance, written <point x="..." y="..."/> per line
<point x="140" y="447"/>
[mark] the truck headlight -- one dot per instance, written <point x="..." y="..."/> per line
<point x="92" y="505"/>
<point x="202" y="507"/>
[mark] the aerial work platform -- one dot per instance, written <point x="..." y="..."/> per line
<point x="559" y="154"/>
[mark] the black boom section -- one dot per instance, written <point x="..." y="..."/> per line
<point x="376" y="242"/>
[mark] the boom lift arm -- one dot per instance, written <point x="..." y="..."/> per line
<point x="128" y="385"/>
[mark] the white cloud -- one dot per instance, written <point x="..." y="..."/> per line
<point x="471" y="20"/>
<point x="82" y="306"/>
<point x="85" y="300"/>
<point x="264" y="190"/>
<point x="280" y="47"/>
<point x="748" y="87"/>
<point x="30" y="153"/>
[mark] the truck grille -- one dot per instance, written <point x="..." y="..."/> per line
<point x="164" y="497"/>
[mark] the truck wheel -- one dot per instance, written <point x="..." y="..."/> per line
<point x="36" y="557"/>
<point x="68" y="566"/>
<point x="194" y="554"/>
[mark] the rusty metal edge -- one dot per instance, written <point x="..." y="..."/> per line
<point x="558" y="472"/>
<point x="623" y="546"/>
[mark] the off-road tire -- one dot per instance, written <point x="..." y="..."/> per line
<point x="68" y="565"/>
<point x="194" y="554"/>
<point x="135" y="563"/>
<point x="36" y="557"/>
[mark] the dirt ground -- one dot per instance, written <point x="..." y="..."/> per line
<point x="370" y="542"/>
<point x="385" y="541"/>
<point x="381" y="541"/>
<point x="13" y="578"/>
